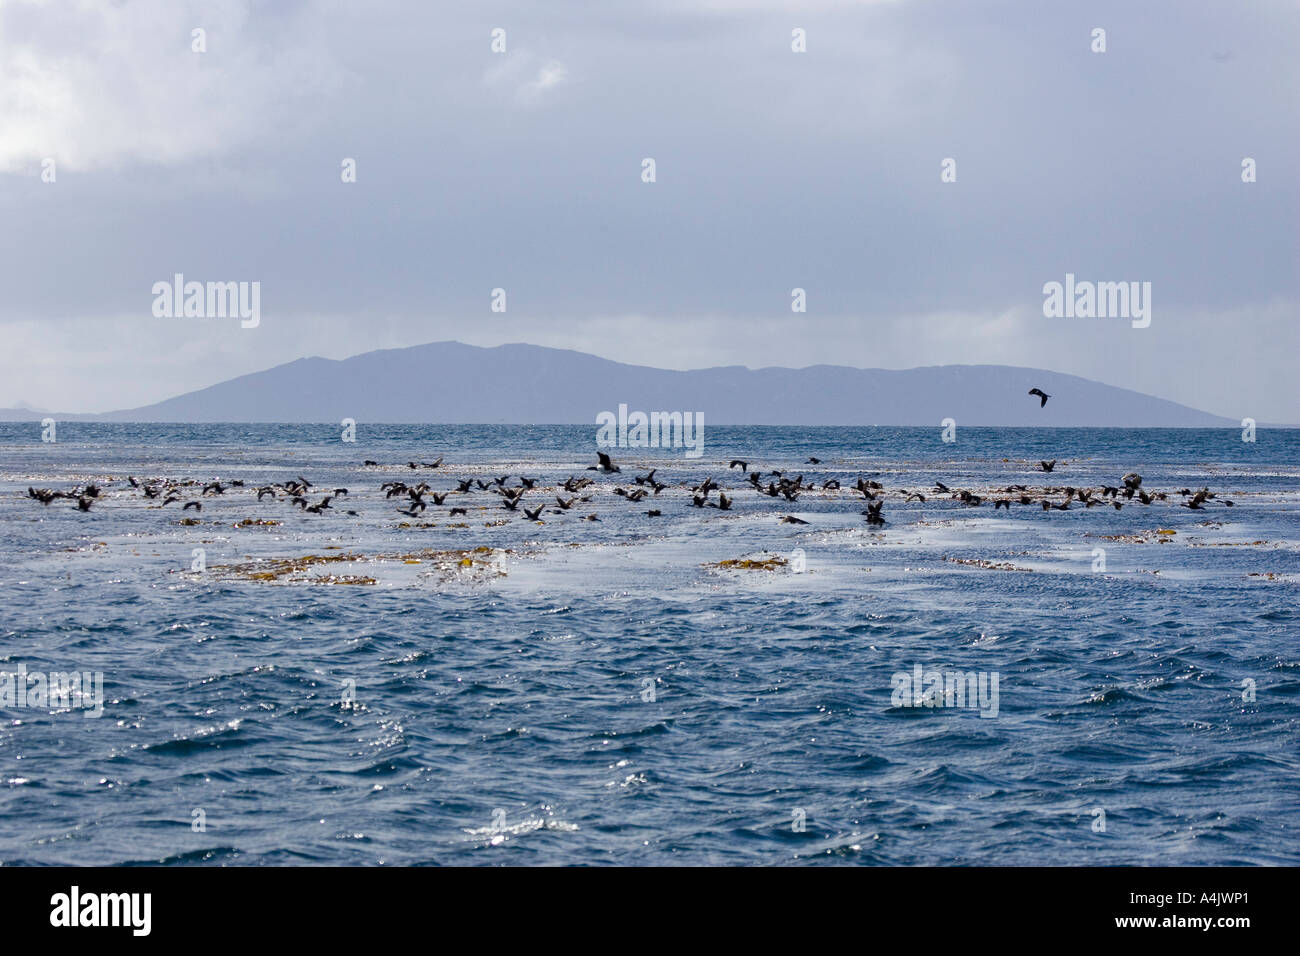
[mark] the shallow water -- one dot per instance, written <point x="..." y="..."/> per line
<point x="595" y="692"/>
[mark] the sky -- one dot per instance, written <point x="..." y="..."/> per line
<point x="522" y="170"/>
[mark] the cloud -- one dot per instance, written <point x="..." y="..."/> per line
<point x="525" y="76"/>
<point x="91" y="84"/>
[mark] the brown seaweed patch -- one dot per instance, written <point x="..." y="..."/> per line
<point x="750" y="564"/>
<point x="277" y="569"/>
<point x="1141" y="537"/>
<point x="294" y="570"/>
<point x="988" y="565"/>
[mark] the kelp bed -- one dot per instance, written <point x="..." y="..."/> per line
<point x="458" y="564"/>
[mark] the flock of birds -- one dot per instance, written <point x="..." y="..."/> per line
<point x="415" y="499"/>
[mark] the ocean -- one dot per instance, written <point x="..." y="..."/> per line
<point x="704" y="686"/>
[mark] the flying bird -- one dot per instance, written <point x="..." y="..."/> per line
<point x="1043" y="396"/>
<point x="606" y="466"/>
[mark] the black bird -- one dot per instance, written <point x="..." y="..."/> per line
<point x="873" y="513"/>
<point x="744" y="465"/>
<point x="814" y="461"/>
<point x="606" y="465"/>
<point x="654" y="514"/>
<point x="566" y="505"/>
<point x="457" y="511"/>
<point x="1047" y="465"/>
<point x="792" y="520"/>
<point x="185" y="507"/>
<point x="1043" y="396"/>
<point x="84" y="502"/>
<point x="648" y="479"/>
<point x="534" y="515"/>
<point x="465" y="485"/>
<point x="724" y="503"/>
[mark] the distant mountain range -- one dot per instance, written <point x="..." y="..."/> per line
<point x="448" y="382"/>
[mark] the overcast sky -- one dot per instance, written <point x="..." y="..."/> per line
<point x="522" y="170"/>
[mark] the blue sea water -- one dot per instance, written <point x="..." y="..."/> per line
<point x="601" y="692"/>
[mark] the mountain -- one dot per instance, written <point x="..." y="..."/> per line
<point x="448" y="382"/>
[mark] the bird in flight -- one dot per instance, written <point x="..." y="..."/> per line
<point x="1043" y="396"/>
<point x="606" y="466"/>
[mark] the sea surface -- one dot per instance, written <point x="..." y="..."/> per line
<point x="283" y="687"/>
